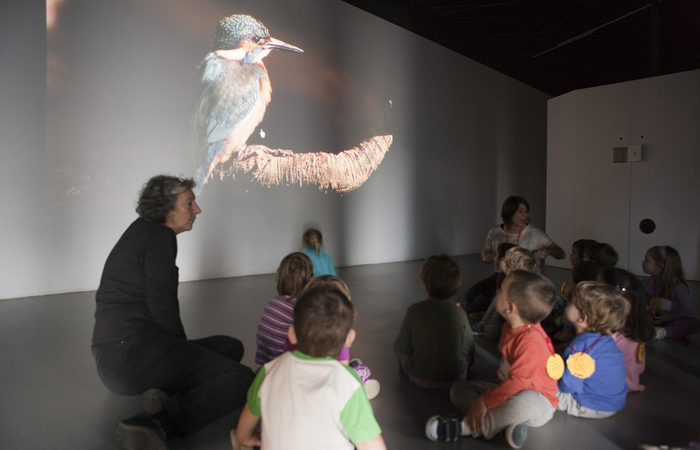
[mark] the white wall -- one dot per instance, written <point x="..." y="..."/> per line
<point x="123" y="84"/>
<point x="588" y="196"/>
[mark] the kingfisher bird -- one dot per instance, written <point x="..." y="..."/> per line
<point x="237" y="90"/>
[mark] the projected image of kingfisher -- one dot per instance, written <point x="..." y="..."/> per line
<point x="237" y="91"/>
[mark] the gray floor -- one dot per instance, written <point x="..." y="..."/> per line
<point x="51" y="397"/>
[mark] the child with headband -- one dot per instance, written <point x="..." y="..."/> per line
<point x="668" y="295"/>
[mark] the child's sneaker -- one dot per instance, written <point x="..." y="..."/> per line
<point x="515" y="434"/>
<point x="362" y="371"/>
<point x="372" y="388"/>
<point x="141" y="433"/>
<point x="659" y="333"/>
<point x="439" y="428"/>
<point x="478" y="328"/>
<point x="156" y="400"/>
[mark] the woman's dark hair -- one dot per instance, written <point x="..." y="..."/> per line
<point x="638" y="326"/>
<point x="158" y="196"/>
<point x="510" y="207"/>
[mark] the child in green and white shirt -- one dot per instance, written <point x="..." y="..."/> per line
<point x="308" y="399"/>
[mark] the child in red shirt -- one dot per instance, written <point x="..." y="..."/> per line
<point x="526" y="394"/>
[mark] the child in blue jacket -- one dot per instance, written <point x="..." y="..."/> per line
<point x="594" y="384"/>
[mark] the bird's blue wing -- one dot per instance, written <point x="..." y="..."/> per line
<point x="230" y="93"/>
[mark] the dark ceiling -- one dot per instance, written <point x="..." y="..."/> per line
<point x="558" y="46"/>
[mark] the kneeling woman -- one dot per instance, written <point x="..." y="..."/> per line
<point x="139" y="342"/>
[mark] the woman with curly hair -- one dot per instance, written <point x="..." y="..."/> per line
<point x="139" y="343"/>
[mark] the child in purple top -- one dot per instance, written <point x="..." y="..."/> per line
<point x="294" y="272"/>
<point x="668" y="295"/>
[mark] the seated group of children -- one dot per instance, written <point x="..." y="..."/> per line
<point x="310" y="393"/>
<point x="310" y="399"/>
<point x="610" y="314"/>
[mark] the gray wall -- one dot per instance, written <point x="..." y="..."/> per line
<point x="588" y="196"/>
<point x="122" y="87"/>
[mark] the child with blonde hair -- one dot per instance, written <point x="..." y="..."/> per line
<point x="668" y="294"/>
<point x="481" y="302"/>
<point x="594" y="383"/>
<point x="526" y="395"/>
<point x="516" y="258"/>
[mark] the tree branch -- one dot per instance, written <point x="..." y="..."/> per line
<point x="342" y="172"/>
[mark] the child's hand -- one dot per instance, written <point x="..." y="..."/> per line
<point x="541" y="253"/>
<point x="660" y="318"/>
<point x="475" y="416"/>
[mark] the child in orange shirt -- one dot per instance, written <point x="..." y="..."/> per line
<point x="526" y="395"/>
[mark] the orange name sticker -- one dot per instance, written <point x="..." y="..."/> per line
<point x="640" y="353"/>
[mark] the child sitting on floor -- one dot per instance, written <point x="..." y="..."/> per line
<point x="594" y="384"/>
<point x="481" y="302"/>
<point x="308" y="398"/>
<point x="526" y="394"/>
<point x="583" y="271"/>
<point x="638" y="328"/>
<point x="294" y="272"/>
<point x="578" y="250"/>
<point x="371" y="386"/>
<point x="516" y="258"/>
<point x="601" y="253"/>
<point x="435" y="345"/>
<point x="668" y="295"/>
<point x="311" y="243"/>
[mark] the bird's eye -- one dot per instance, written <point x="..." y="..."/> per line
<point x="257" y="40"/>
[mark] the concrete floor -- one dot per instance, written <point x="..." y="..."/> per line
<point x="51" y="397"/>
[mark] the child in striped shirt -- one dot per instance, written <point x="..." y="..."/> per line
<point x="294" y="272"/>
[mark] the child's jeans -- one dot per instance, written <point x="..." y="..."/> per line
<point x="530" y="408"/>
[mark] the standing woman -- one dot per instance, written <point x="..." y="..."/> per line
<point x="139" y="342"/>
<point x="515" y="229"/>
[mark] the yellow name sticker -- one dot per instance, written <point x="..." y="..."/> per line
<point x="581" y="365"/>
<point x="555" y="367"/>
<point x="655" y="303"/>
